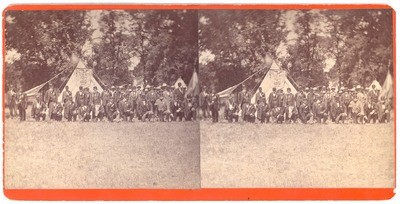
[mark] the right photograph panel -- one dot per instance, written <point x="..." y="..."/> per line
<point x="297" y="98"/>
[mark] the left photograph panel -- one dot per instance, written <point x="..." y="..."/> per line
<point x="101" y="99"/>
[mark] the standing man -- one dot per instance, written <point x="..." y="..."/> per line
<point x="151" y="97"/>
<point x="346" y="98"/>
<point x="105" y="98"/>
<point x="22" y="104"/>
<point x="11" y="101"/>
<point x="298" y="97"/>
<point x="244" y="100"/>
<point x="95" y="98"/>
<point x="273" y="99"/>
<point x="79" y="97"/>
<point x="373" y="95"/>
<point x="51" y="99"/>
<point x="132" y="100"/>
<point x="289" y="105"/>
<point x="214" y="106"/>
<point x="66" y="101"/>
<point x="179" y="93"/>
<point x="261" y="103"/>
<point x="203" y="102"/>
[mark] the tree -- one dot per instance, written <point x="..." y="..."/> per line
<point x="362" y="45"/>
<point x="305" y="60"/>
<point x="45" y="41"/>
<point x="239" y="39"/>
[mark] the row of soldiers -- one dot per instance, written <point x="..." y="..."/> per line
<point x="310" y="105"/>
<point x="117" y="104"/>
<point x="168" y="103"/>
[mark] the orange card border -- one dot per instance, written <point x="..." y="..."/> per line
<point x="203" y="193"/>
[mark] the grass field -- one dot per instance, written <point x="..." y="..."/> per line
<point x="297" y="155"/>
<point x="101" y="155"/>
<point x="172" y="155"/>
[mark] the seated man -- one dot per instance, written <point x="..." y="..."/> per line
<point x="277" y="114"/>
<point x="189" y="108"/>
<point x="305" y="112"/>
<point x="57" y="112"/>
<point x="371" y="113"/>
<point x="383" y="108"/>
<point x="320" y="111"/>
<point x="147" y="110"/>
<point x="251" y="113"/>
<point x="84" y="113"/>
<point x="73" y="112"/>
<point x="356" y="114"/>
<point x="338" y="109"/>
<point x="177" y="110"/>
<point x="112" y="111"/>
<point x="39" y="109"/>
<point x="232" y="109"/>
<point x="291" y="114"/>
<point x="163" y="109"/>
<point x="126" y="110"/>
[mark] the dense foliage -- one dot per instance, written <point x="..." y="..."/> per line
<point x="118" y="45"/>
<point x="316" y="47"/>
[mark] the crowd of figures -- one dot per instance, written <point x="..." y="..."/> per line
<point x="316" y="105"/>
<point x="114" y="104"/>
<point x="167" y="103"/>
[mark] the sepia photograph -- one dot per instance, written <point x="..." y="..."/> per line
<point x="304" y="98"/>
<point x="98" y="99"/>
<point x="199" y="98"/>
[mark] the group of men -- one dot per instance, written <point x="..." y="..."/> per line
<point x="167" y="103"/>
<point x="316" y="105"/>
<point x="114" y="104"/>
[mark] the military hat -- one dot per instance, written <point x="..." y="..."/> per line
<point x="164" y="85"/>
<point x="358" y="87"/>
<point x="147" y="86"/>
<point x="307" y="89"/>
<point x="112" y="87"/>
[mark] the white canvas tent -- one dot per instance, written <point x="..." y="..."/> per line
<point x="275" y="77"/>
<point x="181" y="81"/>
<point x="82" y="76"/>
<point x="377" y="85"/>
